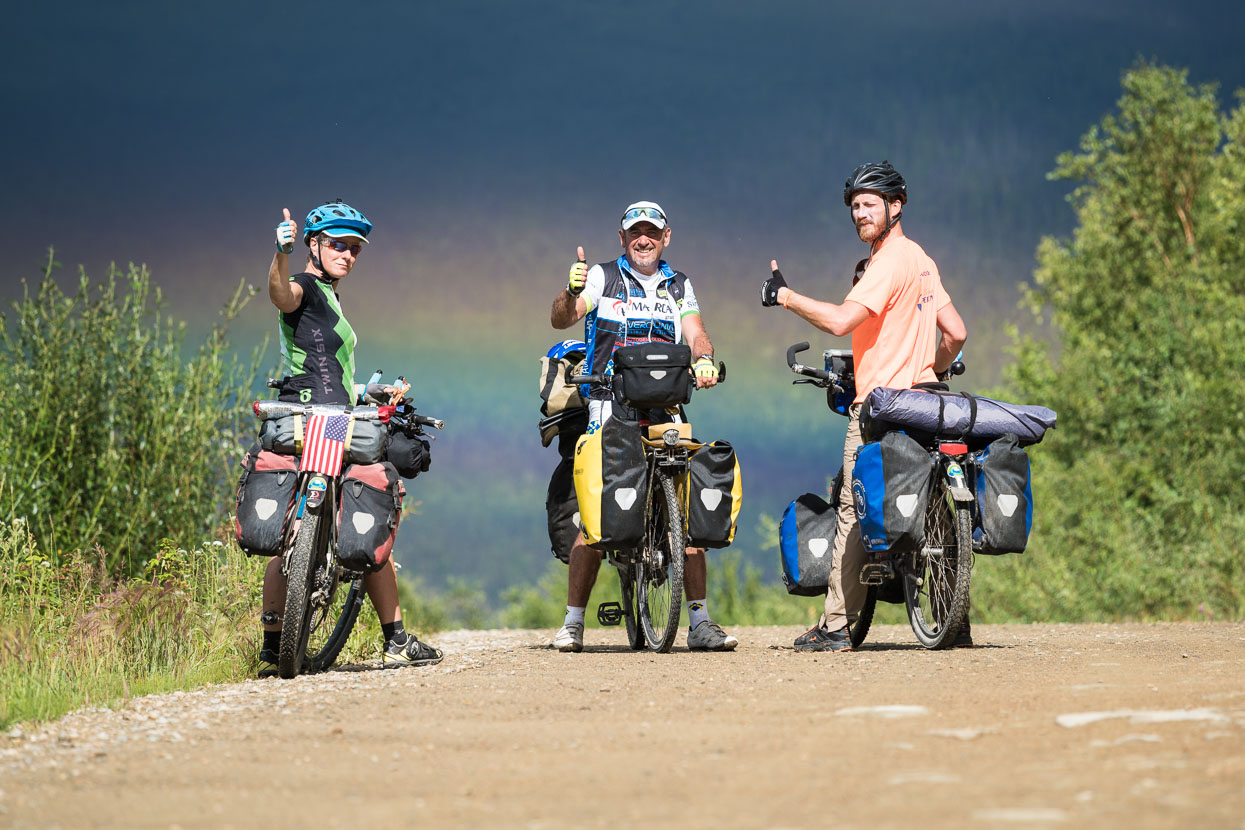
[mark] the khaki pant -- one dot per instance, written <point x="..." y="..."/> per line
<point x="846" y="594"/>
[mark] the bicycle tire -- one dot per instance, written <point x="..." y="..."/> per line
<point x="659" y="571"/>
<point x="936" y="578"/>
<point x="344" y="612"/>
<point x="860" y="628"/>
<point x="294" y="623"/>
<point x="627" y="584"/>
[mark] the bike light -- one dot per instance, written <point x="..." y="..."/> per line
<point x="952" y="448"/>
<point x="255" y="407"/>
<point x="670" y="437"/>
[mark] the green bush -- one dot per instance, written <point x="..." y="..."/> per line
<point x="109" y="436"/>
<point x="1138" y="493"/>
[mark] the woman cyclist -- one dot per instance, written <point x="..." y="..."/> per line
<point x="317" y="351"/>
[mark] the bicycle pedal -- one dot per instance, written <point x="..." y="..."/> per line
<point x="609" y="613"/>
<point x="875" y="573"/>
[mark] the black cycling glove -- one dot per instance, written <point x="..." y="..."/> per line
<point x="769" y="291"/>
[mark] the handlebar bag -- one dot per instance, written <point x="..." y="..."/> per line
<point x="611" y="485"/>
<point x="1003" y="513"/>
<point x="712" y="496"/>
<point x="557" y="394"/>
<point x="409" y="454"/>
<point x="367" y="520"/>
<point x="653" y="375"/>
<point x="891" y="485"/>
<point x="366" y="442"/>
<point x="954" y="415"/>
<point x="265" y="494"/>
<point x="806" y="545"/>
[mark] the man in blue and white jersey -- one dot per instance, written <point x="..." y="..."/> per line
<point x="637" y="298"/>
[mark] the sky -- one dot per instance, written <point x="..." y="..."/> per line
<point x="486" y="140"/>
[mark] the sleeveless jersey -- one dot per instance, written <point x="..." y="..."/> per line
<point x="625" y="307"/>
<point x="317" y="347"/>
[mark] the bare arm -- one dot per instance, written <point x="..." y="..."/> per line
<point x="567" y="310"/>
<point x="954" y="335"/>
<point x="285" y="295"/>
<point x="839" y="320"/>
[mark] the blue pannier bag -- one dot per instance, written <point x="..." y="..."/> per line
<point x="1004" y="490"/>
<point x="806" y="545"/>
<point x="891" y="484"/>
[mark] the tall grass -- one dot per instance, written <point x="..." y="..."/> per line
<point x="109" y="435"/>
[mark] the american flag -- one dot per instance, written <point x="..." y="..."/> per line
<point x="323" y="443"/>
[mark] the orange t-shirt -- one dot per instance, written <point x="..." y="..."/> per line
<point x="895" y="346"/>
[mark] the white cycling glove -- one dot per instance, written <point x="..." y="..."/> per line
<point x="285" y="236"/>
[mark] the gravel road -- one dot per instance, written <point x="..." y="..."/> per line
<point x="1059" y="726"/>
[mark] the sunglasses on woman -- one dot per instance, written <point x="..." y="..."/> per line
<point x="341" y="247"/>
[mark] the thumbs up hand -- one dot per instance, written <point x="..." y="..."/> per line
<point x="579" y="274"/>
<point x="286" y="232"/>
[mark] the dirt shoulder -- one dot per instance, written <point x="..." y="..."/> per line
<point x="1138" y="726"/>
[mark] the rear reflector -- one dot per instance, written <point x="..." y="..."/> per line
<point x="948" y="448"/>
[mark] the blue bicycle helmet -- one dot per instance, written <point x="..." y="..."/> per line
<point x="561" y="350"/>
<point x="335" y="216"/>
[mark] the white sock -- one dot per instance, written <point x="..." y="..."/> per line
<point x="574" y="615"/>
<point x="697" y="612"/>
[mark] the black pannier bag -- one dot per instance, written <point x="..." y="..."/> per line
<point x="806" y="544"/>
<point x="561" y="505"/>
<point x="611" y="482"/>
<point x="367" y="521"/>
<point x="265" y="493"/>
<point x="936" y="413"/>
<point x="409" y="454"/>
<point x="653" y="375"/>
<point x="713" y="496"/>
<point x="891" y="484"/>
<point x="1004" y="505"/>
<point x="562" y="510"/>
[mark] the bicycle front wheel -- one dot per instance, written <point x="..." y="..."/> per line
<point x="860" y="628"/>
<point x="299" y="577"/>
<point x="659" y="571"/>
<point x="331" y="626"/>
<point x="936" y="577"/>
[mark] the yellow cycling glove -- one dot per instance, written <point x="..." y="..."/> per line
<point x="578" y="277"/>
<point x="705" y="368"/>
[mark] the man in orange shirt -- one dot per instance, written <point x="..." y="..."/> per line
<point x="893" y="313"/>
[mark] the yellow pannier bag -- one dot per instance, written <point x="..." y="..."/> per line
<point x="712" y="493"/>
<point x="611" y="485"/>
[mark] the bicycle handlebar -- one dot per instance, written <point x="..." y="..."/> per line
<point x="266" y="410"/>
<point x="602" y="379"/>
<point x="809" y="371"/>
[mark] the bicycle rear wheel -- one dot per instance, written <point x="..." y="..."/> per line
<point x="299" y="578"/>
<point x="659" y="571"/>
<point x="626" y="581"/>
<point x="936" y="577"/>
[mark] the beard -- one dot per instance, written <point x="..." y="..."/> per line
<point x="868" y="232"/>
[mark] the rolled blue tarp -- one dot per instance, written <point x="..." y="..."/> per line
<point x="952" y="415"/>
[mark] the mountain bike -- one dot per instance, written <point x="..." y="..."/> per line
<point x="933" y="580"/>
<point x="319" y="615"/>
<point x="651" y="575"/>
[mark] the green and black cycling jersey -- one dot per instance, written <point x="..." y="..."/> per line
<point x="317" y="347"/>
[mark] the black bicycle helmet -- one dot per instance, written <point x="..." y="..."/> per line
<point x="876" y="178"/>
